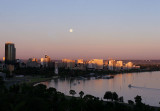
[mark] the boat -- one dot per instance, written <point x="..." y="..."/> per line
<point x="107" y="77"/>
<point x="129" y="85"/>
<point x="81" y="78"/>
<point x="98" y="77"/>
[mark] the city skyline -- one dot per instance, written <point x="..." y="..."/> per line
<point x="81" y="29"/>
<point x="40" y="57"/>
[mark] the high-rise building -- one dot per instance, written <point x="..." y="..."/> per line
<point x="10" y="53"/>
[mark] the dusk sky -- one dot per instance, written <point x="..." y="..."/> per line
<point x="118" y="29"/>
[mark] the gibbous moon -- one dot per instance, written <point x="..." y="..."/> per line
<point x="70" y="30"/>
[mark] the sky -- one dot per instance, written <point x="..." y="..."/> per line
<point x="117" y="29"/>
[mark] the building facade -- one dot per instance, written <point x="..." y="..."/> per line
<point x="10" y="53"/>
<point x="95" y="64"/>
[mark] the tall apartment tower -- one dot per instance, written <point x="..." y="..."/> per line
<point x="10" y="53"/>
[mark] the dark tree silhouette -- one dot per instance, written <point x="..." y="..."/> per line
<point x="114" y="96"/>
<point x="108" y="95"/>
<point x="121" y="99"/>
<point x="138" y="99"/>
<point x="130" y="102"/>
<point x="81" y="94"/>
<point x="72" y="92"/>
<point x="89" y="97"/>
<point x="25" y="97"/>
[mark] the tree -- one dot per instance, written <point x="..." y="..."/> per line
<point x="121" y="99"/>
<point x="51" y="91"/>
<point x="89" y="97"/>
<point x="81" y="94"/>
<point x="114" y="96"/>
<point x="138" y="99"/>
<point x="108" y="95"/>
<point x="40" y="90"/>
<point x="130" y="102"/>
<point x="72" y="92"/>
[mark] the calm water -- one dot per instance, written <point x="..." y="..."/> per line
<point x="145" y="84"/>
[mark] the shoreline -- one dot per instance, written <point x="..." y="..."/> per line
<point x="107" y="73"/>
<point x="39" y="78"/>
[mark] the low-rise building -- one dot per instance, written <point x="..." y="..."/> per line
<point x="33" y="63"/>
<point x="119" y="65"/>
<point x="80" y="65"/>
<point x="46" y="62"/>
<point x="111" y="65"/>
<point x="136" y="67"/>
<point x="128" y="66"/>
<point x="79" y="61"/>
<point x="20" y="63"/>
<point x="68" y="64"/>
<point x="95" y="64"/>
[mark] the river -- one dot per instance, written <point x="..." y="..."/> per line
<point x="145" y="84"/>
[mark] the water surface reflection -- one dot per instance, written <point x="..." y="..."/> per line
<point x="145" y="84"/>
